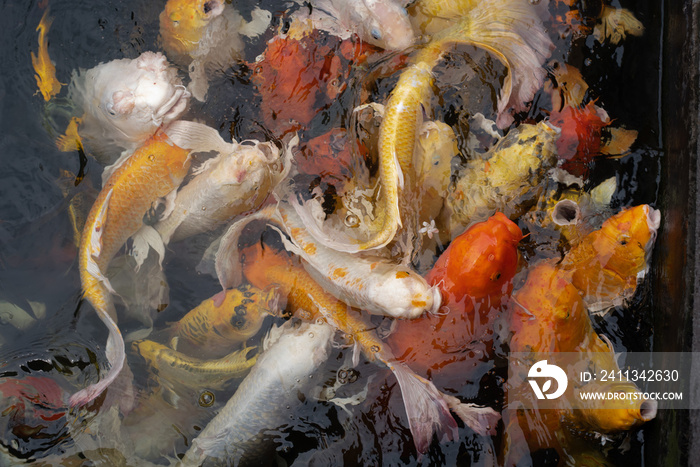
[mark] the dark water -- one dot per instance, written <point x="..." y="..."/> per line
<point x="47" y="333"/>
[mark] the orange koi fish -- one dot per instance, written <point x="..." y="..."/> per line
<point x="153" y="171"/>
<point x="548" y="314"/>
<point x="473" y="273"/>
<point x="607" y="264"/>
<point x="45" y="69"/>
<point x="426" y="409"/>
<point x="225" y="320"/>
<point x="183" y="23"/>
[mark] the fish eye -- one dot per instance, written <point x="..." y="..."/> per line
<point x="376" y="34"/>
<point x="495" y="276"/>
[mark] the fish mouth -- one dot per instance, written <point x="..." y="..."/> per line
<point x="174" y="106"/>
<point x="213" y="8"/>
<point x="654" y="219"/>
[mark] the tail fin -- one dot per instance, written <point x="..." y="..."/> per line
<point x="482" y="420"/>
<point x="512" y="31"/>
<point x="426" y="409"/>
<point x="115" y="356"/>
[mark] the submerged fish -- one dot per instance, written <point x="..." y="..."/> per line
<point x="238" y="180"/>
<point x="44" y="68"/>
<point x="427" y="409"/>
<point x="472" y="274"/>
<point x="153" y="171"/>
<point x="225" y="320"/>
<point x="206" y="36"/>
<point x="284" y="370"/>
<point x="125" y="101"/>
<point x="383" y="23"/>
<point x="178" y="368"/>
<point x="506" y="179"/>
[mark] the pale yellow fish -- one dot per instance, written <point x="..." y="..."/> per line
<point x="192" y="372"/>
<point x="45" y="69"/>
<point x="153" y="171"/>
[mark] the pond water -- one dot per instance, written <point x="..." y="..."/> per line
<point x="52" y="343"/>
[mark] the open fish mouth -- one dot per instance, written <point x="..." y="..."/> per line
<point x="173" y="107"/>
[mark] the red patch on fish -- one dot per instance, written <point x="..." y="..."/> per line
<point x="580" y="138"/>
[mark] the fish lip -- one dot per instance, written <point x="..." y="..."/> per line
<point x="653" y="219"/>
<point x="172" y="108"/>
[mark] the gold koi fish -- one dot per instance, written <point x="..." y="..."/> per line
<point x="520" y="43"/>
<point x="153" y="171"/>
<point x="225" y="320"/>
<point x="45" y="69"/>
<point x="507" y="176"/>
<point x="195" y="373"/>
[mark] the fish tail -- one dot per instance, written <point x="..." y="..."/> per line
<point x="482" y="420"/>
<point x="114" y="349"/>
<point x="513" y="32"/>
<point x="426" y="408"/>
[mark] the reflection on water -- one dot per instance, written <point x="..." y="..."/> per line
<point x="51" y="343"/>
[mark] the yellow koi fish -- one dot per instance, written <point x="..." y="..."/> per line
<point x="153" y="171"/>
<point x="193" y="372"/>
<point x="225" y="320"/>
<point x="45" y="69"/>
<point x="514" y="34"/>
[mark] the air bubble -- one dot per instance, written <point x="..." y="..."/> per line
<point x="352" y="221"/>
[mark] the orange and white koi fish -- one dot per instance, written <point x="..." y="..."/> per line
<point x="44" y="68"/>
<point x="153" y="171"/>
<point x="427" y="409"/>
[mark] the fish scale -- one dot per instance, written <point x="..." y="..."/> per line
<point x="151" y="172"/>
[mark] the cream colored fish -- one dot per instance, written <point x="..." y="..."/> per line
<point x="238" y="180"/>
<point x="44" y="68"/>
<point x="153" y="171"/>
<point x="176" y="367"/>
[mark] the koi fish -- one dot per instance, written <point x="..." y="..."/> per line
<point x="507" y="176"/>
<point x="225" y="320"/>
<point x="125" y="101"/>
<point x="523" y="53"/>
<point x="383" y="23"/>
<point x="44" y="68"/>
<point x="284" y="370"/>
<point x="473" y="273"/>
<point x="548" y="315"/>
<point x="426" y="408"/>
<point x="153" y="171"/>
<point x="238" y="180"/>
<point x="607" y="264"/>
<point x="195" y="373"/>
<point x="370" y="282"/>
<point x="206" y="35"/>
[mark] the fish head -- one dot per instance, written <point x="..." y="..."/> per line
<point x="134" y="97"/>
<point x="245" y="308"/>
<point x="385" y="24"/>
<point x="404" y="294"/>
<point x="183" y="23"/>
<point x="626" y="239"/>
<point x="481" y="261"/>
<point x="622" y="414"/>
